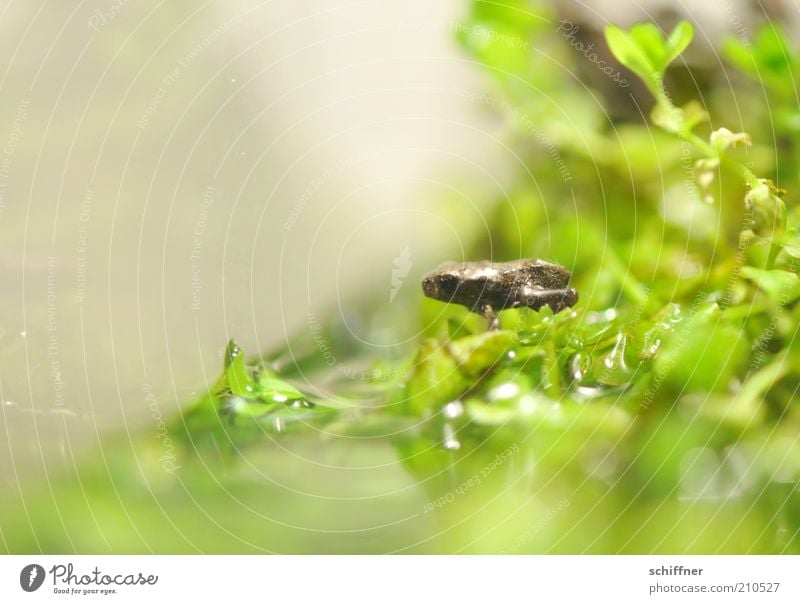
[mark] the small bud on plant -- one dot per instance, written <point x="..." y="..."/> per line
<point x="723" y="138"/>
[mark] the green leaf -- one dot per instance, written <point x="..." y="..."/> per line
<point x="231" y="352"/>
<point x="475" y="354"/>
<point x="238" y="377"/>
<point x="702" y="355"/>
<point x="650" y="41"/>
<point x="767" y="59"/>
<point x="679" y="40"/>
<point x="628" y="52"/>
<point x="740" y="56"/>
<point x="435" y="379"/>
<point x="646" y="52"/>
<point x="772" y="51"/>
<point x="270" y="387"/>
<point x="791" y="242"/>
<point x="443" y="372"/>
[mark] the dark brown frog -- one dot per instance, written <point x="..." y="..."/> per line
<point x="486" y="287"/>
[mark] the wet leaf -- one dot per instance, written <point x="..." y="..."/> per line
<point x="475" y="354"/>
<point x="701" y="355"/>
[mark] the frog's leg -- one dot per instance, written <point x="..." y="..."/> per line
<point x="557" y="299"/>
<point x="488" y="312"/>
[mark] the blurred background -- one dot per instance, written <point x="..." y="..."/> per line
<point x="182" y="175"/>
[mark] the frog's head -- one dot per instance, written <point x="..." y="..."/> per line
<point x="441" y="285"/>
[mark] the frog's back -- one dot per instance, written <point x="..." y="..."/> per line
<point x="498" y="284"/>
<point x="485" y="286"/>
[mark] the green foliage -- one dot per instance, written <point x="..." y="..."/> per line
<point x="771" y="65"/>
<point x="767" y="209"/>
<point x="768" y="58"/>
<point x="702" y="354"/>
<point x="644" y="51"/>
<point x="782" y="287"/>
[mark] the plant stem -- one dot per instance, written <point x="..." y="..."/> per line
<point x="763" y="379"/>
<point x="750" y="179"/>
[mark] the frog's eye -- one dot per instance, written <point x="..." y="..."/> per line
<point x="448" y="282"/>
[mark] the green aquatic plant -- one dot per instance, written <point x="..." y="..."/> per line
<point x="646" y="52"/>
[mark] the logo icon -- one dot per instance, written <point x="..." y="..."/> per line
<point x="31" y="577"/>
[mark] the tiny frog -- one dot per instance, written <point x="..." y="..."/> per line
<point x="485" y="287"/>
